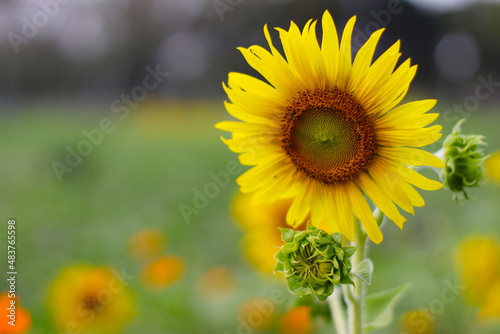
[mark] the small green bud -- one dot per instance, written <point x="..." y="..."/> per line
<point x="464" y="160"/>
<point x="313" y="261"/>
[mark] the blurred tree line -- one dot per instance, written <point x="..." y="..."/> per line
<point x="95" y="50"/>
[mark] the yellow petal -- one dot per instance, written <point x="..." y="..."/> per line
<point x="242" y="127"/>
<point x="380" y="71"/>
<point x="330" y="49"/>
<point x="328" y="207"/>
<point x="408" y="116"/>
<point x="363" y="61"/>
<point x="415" y="198"/>
<point x="317" y="215"/>
<point x="412" y="177"/>
<point x="362" y="210"/>
<point x="262" y="61"/>
<point x="318" y="68"/>
<point x="410" y="156"/>
<point x="343" y="211"/>
<point x="376" y="76"/>
<point x="391" y="92"/>
<point x="300" y="206"/>
<point x="390" y="185"/>
<point x="413" y="137"/>
<point x="345" y="54"/>
<point x="381" y="200"/>
<point x="294" y="52"/>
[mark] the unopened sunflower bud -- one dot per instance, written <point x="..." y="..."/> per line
<point x="464" y="160"/>
<point x="313" y="261"/>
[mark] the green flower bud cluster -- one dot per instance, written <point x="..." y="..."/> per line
<point x="464" y="159"/>
<point x="313" y="261"/>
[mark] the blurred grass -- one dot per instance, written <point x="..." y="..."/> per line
<point x="145" y="168"/>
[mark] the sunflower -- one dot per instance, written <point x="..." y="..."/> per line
<point x="90" y="299"/>
<point x="262" y="237"/>
<point x="325" y="129"/>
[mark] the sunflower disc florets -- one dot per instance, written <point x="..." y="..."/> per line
<point x="313" y="261"/>
<point x="464" y="160"/>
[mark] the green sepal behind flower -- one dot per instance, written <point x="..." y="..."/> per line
<point x="313" y="261"/>
<point x="464" y="160"/>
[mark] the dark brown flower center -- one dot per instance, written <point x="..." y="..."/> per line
<point x="328" y="135"/>
<point x="91" y="303"/>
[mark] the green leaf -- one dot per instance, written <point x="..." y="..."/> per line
<point x="279" y="267"/>
<point x="280" y="256"/>
<point x="349" y="250"/>
<point x="310" y="227"/>
<point x="292" y="283"/>
<point x="299" y="236"/>
<point x="289" y="248"/>
<point x="380" y="307"/>
<point x="322" y="298"/>
<point x="364" y="271"/>
<point x="346" y="280"/>
<point x="337" y="237"/>
<point x="287" y="234"/>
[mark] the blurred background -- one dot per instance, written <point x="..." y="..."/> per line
<point x="109" y="159"/>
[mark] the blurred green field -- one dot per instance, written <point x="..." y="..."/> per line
<point x="149" y="165"/>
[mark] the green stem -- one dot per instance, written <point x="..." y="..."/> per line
<point x="338" y="313"/>
<point x="356" y="298"/>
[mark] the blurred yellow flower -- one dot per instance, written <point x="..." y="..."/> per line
<point x="147" y="244"/>
<point x="418" y="322"/>
<point x="90" y="299"/>
<point x="493" y="166"/>
<point x="14" y="319"/>
<point x="256" y="315"/>
<point x="153" y="117"/>
<point x="216" y="283"/>
<point x="491" y="305"/>
<point x="262" y="238"/>
<point x="297" y="320"/>
<point x="162" y="272"/>
<point x="478" y="262"/>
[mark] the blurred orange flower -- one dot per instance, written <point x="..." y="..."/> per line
<point x="418" y="322"/>
<point x="216" y="283"/>
<point x="147" y="244"/>
<point x="262" y="238"/>
<point x="15" y="319"/>
<point x="256" y="315"/>
<point x="297" y="320"/>
<point x="162" y="272"/>
<point x="90" y="299"/>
